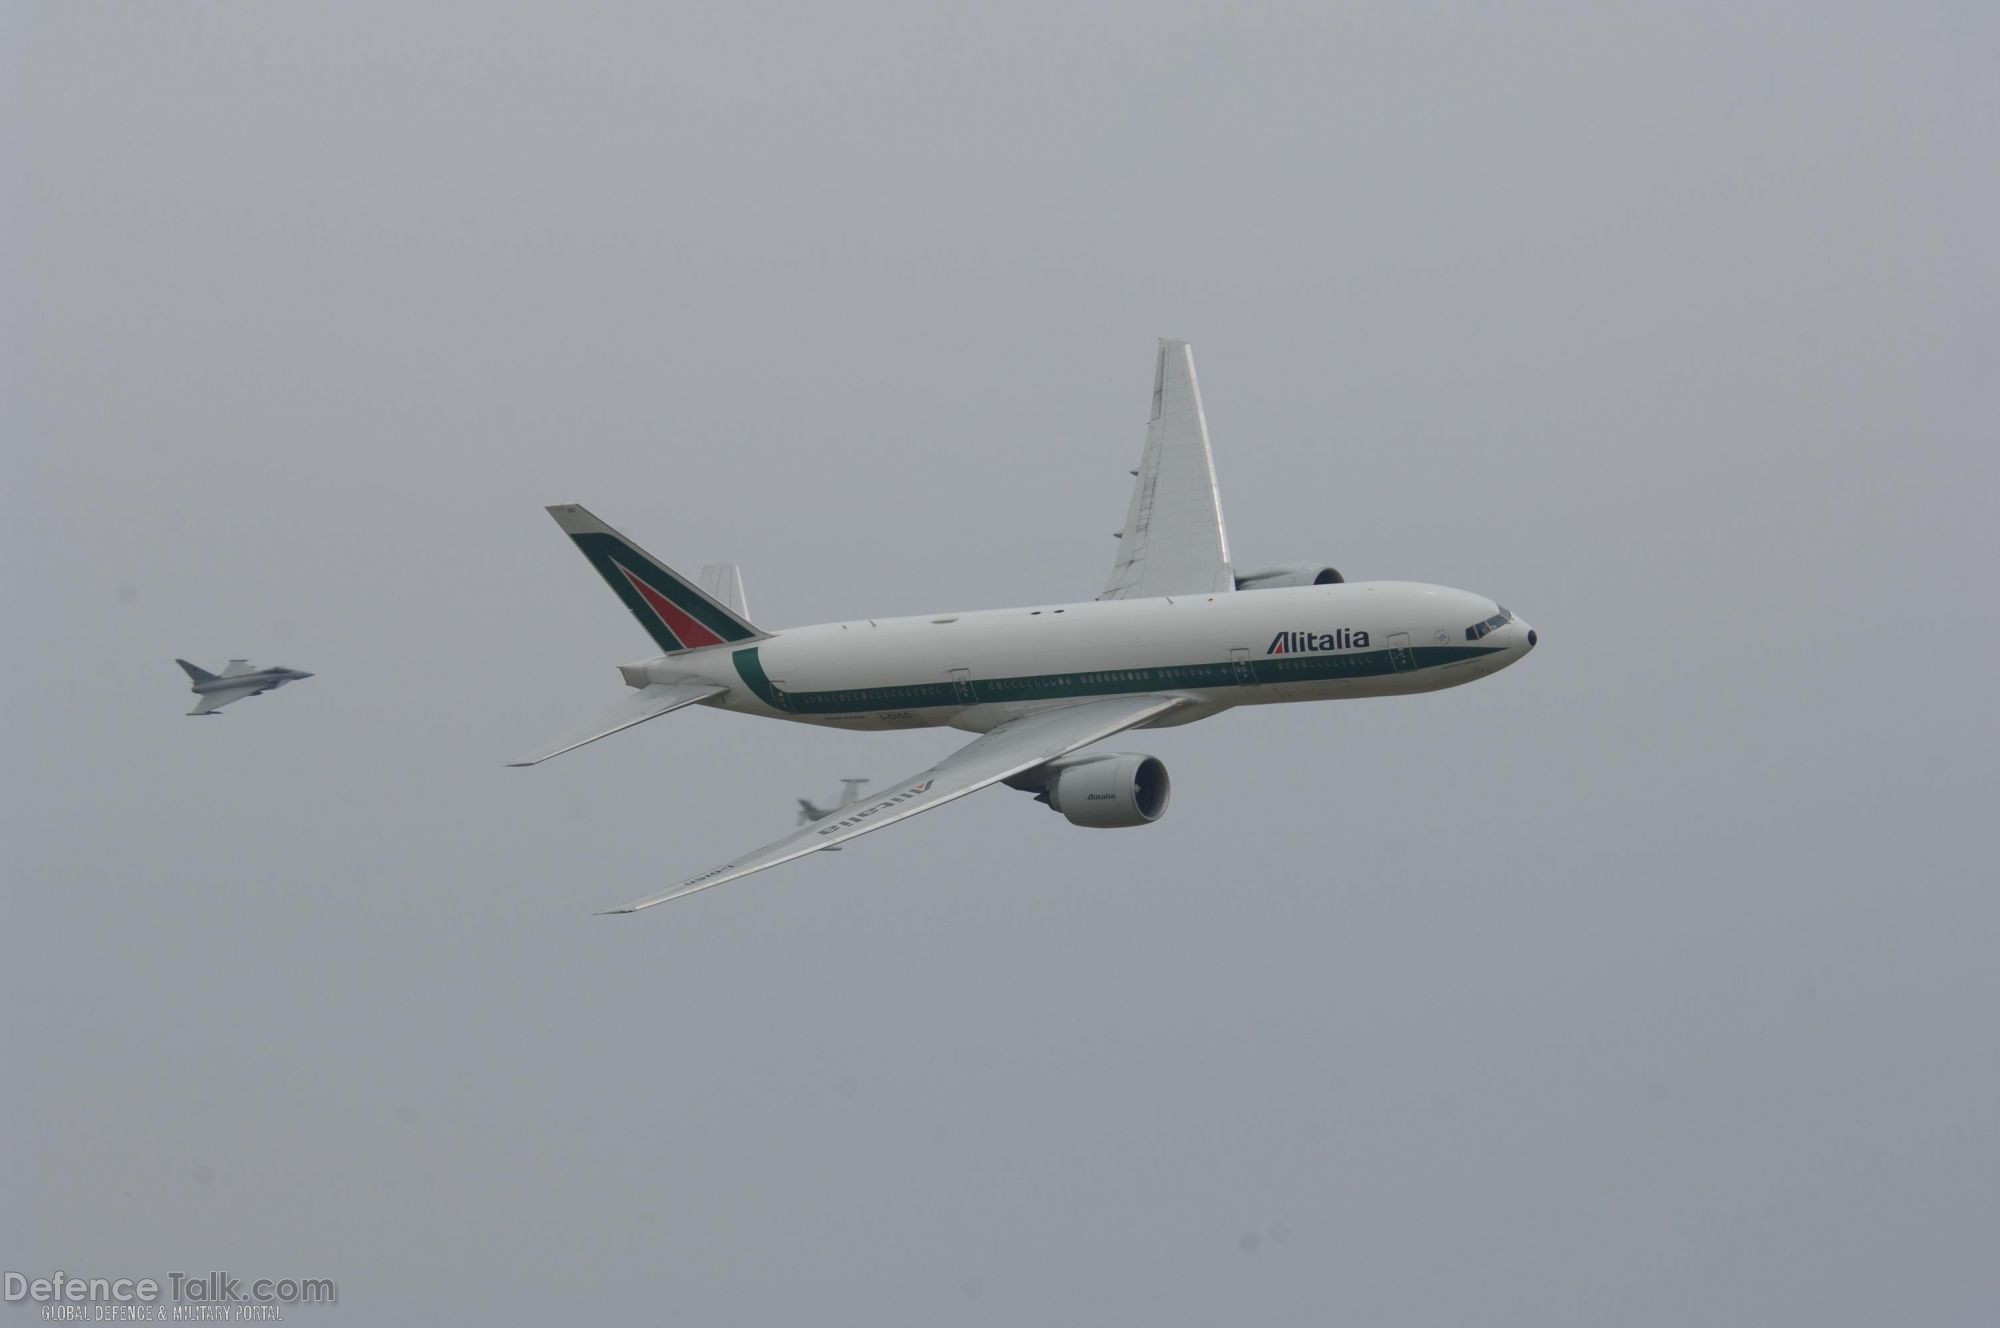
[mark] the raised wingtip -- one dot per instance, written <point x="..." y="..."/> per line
<point x="607" y="912"/>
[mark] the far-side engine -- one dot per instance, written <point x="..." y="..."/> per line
<point x="1103" y="792"/>
<point x="1297" y="574"/>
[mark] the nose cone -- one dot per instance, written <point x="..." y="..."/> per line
<point x="1517" y="640"/>
<point x="300" y="673"/>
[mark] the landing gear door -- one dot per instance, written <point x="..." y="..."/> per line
<point x="1240" y="666"/>
<point x="1400" y="658"/>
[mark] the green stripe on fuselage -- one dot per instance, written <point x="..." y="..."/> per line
<point x="1101" y="682"/>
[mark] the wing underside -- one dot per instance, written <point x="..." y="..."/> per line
<point x="1173" y="542"/>
<point x="1015" y="746"/>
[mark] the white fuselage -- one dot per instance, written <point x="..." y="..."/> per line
<point x="976" y="670"/>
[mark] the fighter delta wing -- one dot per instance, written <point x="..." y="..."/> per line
<point x="214" y="701"/>
<point x="1173" y="542"/>
<point x="1014" y="747"/>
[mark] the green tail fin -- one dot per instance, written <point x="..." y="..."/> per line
<point x="675" y="612"/>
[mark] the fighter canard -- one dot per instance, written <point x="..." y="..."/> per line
<point x="1178" y="634"/>
<point x="235" y="682"/>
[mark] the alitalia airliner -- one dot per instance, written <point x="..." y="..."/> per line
<point x="1179" y="633"/>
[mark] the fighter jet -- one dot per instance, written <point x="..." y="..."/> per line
<point x="239" y="680"/>
<point x="809" y="812"/>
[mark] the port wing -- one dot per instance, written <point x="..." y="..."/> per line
<point x="1015" y="746"/>
<point x="213" y="701"/>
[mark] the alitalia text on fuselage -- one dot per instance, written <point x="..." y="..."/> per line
<point x="1340" y="638"/>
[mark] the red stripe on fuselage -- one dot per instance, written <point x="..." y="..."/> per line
<point x="689" y="632"/>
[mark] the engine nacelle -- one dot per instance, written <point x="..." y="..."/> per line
<point x="1297" y="574"/>
<point x="1109" y="792"/>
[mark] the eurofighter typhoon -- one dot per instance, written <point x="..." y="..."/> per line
<point x="1179" y="633"/>
<point x="239" y="680"/>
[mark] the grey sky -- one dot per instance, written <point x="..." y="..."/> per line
<point x="1649" y="982"/>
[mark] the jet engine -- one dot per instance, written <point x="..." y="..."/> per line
<point x="1297" y="574"/>
<point x="1107" y="792"/>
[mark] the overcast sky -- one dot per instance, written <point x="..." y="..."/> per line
<point x="1651" y="981"/>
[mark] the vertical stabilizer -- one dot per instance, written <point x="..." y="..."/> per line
<point x="676" y="613"/>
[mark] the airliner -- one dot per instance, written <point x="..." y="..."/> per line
<point x="1178" y="634"/>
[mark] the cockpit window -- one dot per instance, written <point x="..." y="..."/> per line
<point x="1479" y="629"/>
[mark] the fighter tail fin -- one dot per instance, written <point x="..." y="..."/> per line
<point x="676" y="613"/>
<point x="194" y="671"/>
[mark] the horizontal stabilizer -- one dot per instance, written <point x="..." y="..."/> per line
<point x="644" y="704"/>
<point x="723" y="582"/>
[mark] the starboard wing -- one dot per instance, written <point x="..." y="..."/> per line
<point x="1173" y="542"/>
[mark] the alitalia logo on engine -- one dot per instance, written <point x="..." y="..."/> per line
<point x="1340" y="638"/>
